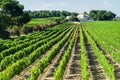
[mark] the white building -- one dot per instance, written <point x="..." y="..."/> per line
<point x="84" y="18"/>
<point x="68" y="17"/>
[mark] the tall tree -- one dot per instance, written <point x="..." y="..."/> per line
<point x="102" y="15"/>
<point x="93" y="14"/>
<point x="85" y="13"/>
<point x="11" y="13"/>
<point x="14" y="10"/>
<point x="74" y="16"/>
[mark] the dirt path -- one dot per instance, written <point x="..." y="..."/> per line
<point x="73" y="70"/>
<point x="110" y="58"/>
<point x="95" y="68"/>
<point x="48" y="73"/>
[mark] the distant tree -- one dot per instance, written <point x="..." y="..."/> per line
<point x="55" y="13"/>
<point x="102" y="15"/>
<point x="47" y="13"/>
<point x="85" y="13"/>
<point x="110" y="15"/>
<point x="117" y="18"/>
<point x="74" y="16"/>
<point x="93" y="14"/>
<point x="66" y="13"/>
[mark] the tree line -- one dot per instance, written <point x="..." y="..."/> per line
<point x="48" y="13"/>
<point x="102" y="15"/>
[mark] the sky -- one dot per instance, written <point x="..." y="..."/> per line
<point x="72" y="5"/>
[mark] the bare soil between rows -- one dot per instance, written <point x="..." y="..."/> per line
<point x="48" y="73"/>
<point x="73" y="69"/>
<point x="109" y="58"/>
<point x="26" y="72"/>
<point x="95" y="68"/>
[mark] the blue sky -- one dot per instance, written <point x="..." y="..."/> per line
<point x="72" y="5"/>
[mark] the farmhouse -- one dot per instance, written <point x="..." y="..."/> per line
<point x="68" y="17"/>
<point x="84" y="18"/>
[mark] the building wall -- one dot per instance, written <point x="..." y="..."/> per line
<point x="84" y="18"/>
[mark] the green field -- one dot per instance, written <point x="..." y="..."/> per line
<point x="108" y="35"/>
<point x="43" y="21"/>
<point x="85" y="51"/>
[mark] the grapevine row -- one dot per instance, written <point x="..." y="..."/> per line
<point x="17" y="67"/>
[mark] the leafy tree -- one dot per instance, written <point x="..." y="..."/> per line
<point x="110" y="15"/>
<point x="117" y="18"/>
<point x="4" y="21"/>
<point x="74" y="16"/>
<point x="85" y="13"/>
<point x="55" y="13"/>
<point x="11" y="13"/>
<point x="23" y="19"/>
<point x="102" y="15"/>
<point x="12" y="7"/>
<point x="14" y="10"/>
<point x="93" y="14"/>
<point x="47" y="13"/>
<point x="66" y="13"/>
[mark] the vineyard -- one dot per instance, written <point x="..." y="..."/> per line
<point x="69" y="51"/>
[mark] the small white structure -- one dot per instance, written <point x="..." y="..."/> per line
<point x="84" y="18"/>
<point x="68" y="17"/>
